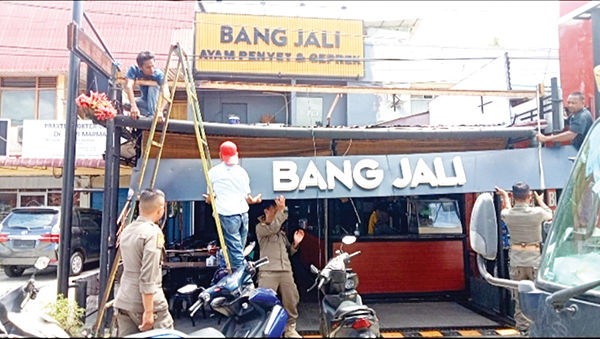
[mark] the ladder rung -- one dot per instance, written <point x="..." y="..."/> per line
<point x="168" y="99"/>
<point x="193" y="95"/>
<point x="157" y="144"/>
<point x="109" y="304"/>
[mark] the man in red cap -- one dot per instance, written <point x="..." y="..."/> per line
<point x="231" y="186"/>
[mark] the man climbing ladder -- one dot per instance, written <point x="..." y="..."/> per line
<point x="129" y="209"/>
<point x="232" y="187"/>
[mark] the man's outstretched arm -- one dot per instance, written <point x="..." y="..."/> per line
<point x="564" y="136"/>
<point x="135" y="111"/>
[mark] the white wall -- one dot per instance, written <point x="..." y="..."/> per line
<point x="467" y="110"/>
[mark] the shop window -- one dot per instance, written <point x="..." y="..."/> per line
<point x="47" y="105"/>
<point x="434" y="216"/>
<point x="32" y="199"/>
<point x="235" y="110"/>
<point x="27" y="98"/>
<point x="18" y="106"/>
<point x="54" y="199"/>
<point x="8" y="201"/>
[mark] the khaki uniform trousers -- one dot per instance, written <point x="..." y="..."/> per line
<point x="521" y="273"/>
<point x="284" y="283"/>
<point x="128" y="322"/>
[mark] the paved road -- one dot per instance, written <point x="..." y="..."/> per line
<point x="46" y="280"/>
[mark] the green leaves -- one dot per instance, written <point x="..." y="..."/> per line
<point x="67" y="313"/>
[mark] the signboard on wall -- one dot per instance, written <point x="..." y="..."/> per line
<point x="46" y="139"/>
<point x="309" y="111"/>
<point x="257" y="44"/>
<point x="374" y="175"/>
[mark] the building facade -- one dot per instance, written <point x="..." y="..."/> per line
<point x="33" y="89"/>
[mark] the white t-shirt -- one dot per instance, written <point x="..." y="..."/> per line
<point x="231" y="185"/>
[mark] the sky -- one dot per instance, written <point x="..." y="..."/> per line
<point x="514" y="24"/>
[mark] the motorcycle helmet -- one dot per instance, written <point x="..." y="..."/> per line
<point x="219" y="274"/>
<point x="212" y="247"/>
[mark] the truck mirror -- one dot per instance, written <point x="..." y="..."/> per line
<point x="483" y="230"/>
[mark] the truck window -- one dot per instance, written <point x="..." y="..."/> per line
<point x="572" y="254"/>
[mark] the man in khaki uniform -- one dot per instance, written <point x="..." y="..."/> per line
<point x="140" y="303"/>
<point x="277" y="274"/>
<point x="525" y="227"/>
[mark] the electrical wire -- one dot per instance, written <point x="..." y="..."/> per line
<point x="348" y="149"/>
<point x="366" y="60"/>
<point x="350" y="198"/>
<point x="179" y="20"/>
<point x="369" y="59"/>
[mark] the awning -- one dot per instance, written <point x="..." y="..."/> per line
<point x="275" y="141"/>
<point x="35" y="162"/>
<point x="18" y="166"/>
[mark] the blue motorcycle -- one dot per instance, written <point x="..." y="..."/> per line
<point x="250" y="312"/>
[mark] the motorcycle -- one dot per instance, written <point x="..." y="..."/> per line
<point x="162" y="333"/>
<point x="342" y="312"/>
<point x="16" y="323"/>
<point x="250" y="312"/>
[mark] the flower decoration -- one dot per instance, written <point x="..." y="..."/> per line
<point x="96" y="106"/>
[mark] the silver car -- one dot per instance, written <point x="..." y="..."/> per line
<point x="32" y="232"/>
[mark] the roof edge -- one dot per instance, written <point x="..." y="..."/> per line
<point x="339" y="133"/>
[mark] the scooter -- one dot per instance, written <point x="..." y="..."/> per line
<point x="250" y="312"/>
<point x="16" y="323"/>
<point x="342" y="312"/>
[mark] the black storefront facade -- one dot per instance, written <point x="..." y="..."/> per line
<point x="328" y="193"/>
<point x="333" y="177"/>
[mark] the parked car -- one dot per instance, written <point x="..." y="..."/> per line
<point x="32" y="232"/>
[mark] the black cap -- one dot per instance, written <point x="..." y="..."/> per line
<point x="268" y="203"/>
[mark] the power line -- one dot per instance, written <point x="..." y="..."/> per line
<point x="195" y="56"/>
<point x="194" y="21"/>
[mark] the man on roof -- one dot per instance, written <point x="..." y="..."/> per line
<point x="145" y="70"/>
<point x="579" y="122"/>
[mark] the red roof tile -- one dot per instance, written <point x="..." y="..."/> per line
<point x="32" y="162"/>
<point x="33" y="34"/>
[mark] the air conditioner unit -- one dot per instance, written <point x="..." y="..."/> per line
<point x="20" y="134"/>
<point x="4" y="141"/>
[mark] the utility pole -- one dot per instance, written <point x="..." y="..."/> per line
<point x="111" y="188"/>
<point x="64" y="253"/>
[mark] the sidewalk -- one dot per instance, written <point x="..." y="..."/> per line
<point x="396" y="319"/>
<point x="392" y="316"/>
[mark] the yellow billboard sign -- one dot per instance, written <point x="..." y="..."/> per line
<point x="255" y="44"/>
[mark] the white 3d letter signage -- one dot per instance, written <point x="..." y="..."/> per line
<point x="366" y="174"/>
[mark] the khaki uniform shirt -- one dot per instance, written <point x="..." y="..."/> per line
<point x="525" y="227"/>
<point x="274" y="244"/>
<point x="142" y="243"/>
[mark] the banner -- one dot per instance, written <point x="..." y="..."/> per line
<point x="375" y="175"/>
<point x="46" y="139"/>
